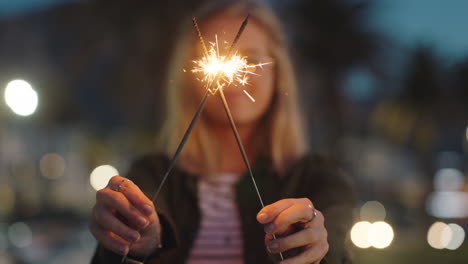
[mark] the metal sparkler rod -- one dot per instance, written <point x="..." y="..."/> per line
<point x="200" y="36"/>
<point x="175" y="157"/>
<point x="239" y="33"/>
<point x="233" y="125"/>
<point x="242" y="151"/>
<point x="239" y="144"/>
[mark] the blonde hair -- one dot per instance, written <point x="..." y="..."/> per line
<point x="285" y="141"/>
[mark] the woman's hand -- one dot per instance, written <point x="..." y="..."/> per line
<point x="123" y="215"/>
<point x="298" y="225"/>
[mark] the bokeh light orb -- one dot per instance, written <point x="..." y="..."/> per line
<point x="458" y="236"/>
<point x="360" y="234"/>
<point x="20" y="235"/>
<point x="373" y="211"/>
<point x="449" y="179"/>
<point x="101" y="175"/>
<point x="52" y="166"/>
<point x="21" y="97"/>
<point x="380" y="235"/>
<point x="439" y="235"/>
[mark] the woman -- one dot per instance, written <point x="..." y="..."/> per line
<point x="208" y="211"/>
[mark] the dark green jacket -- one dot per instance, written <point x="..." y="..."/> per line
<point x="311" y="177"/>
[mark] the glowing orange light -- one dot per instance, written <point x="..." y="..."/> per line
<point x="225" y="71"/>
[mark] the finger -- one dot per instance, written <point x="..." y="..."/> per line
<point x="105" y="219"/>
<point x="296" y="213"/>
<point x="318" y="219"/>
<point x="312" y="254"/>
<point x="305" y="237"/>
<point x="270" y="212"/>
<point x="117" y="201"/>
<point x="133" y="194"/>
<point x="108" y="239"/>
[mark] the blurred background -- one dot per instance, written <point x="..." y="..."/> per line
<point x="384" y="86"/>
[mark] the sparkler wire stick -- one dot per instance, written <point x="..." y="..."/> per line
<point x="233" y="125"/>
<point x="175" y="157"/>
<point x="200" y="36"/>
<point x="228" y="112"/>
<point x="242" y="151"/>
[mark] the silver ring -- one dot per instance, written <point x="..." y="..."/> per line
<point x="119" y="186"/>
<point x="313" y="216"/>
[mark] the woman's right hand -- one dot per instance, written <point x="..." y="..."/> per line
<point x="123" y="214"/>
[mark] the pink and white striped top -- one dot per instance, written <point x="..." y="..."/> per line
<point x="219" y="240"/>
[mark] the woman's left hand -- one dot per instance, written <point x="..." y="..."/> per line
<point x="297" y="225"/>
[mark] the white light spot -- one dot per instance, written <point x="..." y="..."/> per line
<point x="447" y="204"/>
<point x="439" y="235"/>
<point x="380" y="235"/>
<point x="458" y="236"/>
<point x="360" y="234"/>
<point x="21" y="97"/>
<point x="448" y="179"/>
<point x="20" y="235"/>
<point x="101" y="175"/>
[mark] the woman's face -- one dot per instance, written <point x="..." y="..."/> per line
<point x="254" y="44"/>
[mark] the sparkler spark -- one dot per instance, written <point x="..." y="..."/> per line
<point x="248" y="95"/>
<point x="220" y="71"/>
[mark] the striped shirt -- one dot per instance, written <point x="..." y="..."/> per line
<point x="219" y="239"/>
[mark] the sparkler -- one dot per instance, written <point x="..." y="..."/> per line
<point x="232" y="68"/>
<point x="219" y="72"/>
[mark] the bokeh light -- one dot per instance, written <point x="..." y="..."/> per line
<point x="101" y="175"/>
<point x="447" y="204"/>
<point x="380" y="235"/>
<point x="373" y="211"/>
<point x="52" y="166"/>
<point x="448" y="179"/>
<point x="439" y="235"/>
<point x="21" y="97"/>
<point x="360" y="234"/>
<point x="20" y="235"/>
<point x="458" y="236"/>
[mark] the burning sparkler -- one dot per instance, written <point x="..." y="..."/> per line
<point x="221" y="71"/>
